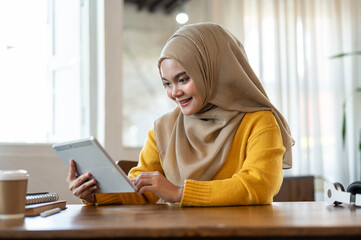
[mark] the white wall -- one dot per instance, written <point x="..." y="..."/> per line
<point x="47" y="171"/>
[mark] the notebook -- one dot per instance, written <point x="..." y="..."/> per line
<point x="35" y="209"/>
<point x="41" y="197"/>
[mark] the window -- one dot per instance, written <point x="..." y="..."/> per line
<point x="144" y="99"/>
<point x="43" y="86"/>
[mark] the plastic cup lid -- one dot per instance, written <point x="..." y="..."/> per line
<point x="14" y="174"/>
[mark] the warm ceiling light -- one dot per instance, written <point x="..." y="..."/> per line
<point x="181" y="18"/>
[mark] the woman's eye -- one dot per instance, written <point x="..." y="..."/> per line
<point x="166" y="84"/>
<point x="183" y="80"/>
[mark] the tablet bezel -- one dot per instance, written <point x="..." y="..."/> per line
<point x="90" y="156"/>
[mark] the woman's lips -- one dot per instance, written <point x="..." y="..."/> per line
<point x="185" y="102"/>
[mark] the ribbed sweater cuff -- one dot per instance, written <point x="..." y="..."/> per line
<point x="196" y="193"/>
<point x="87" y="203"/>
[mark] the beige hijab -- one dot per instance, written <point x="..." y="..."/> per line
<point x="196" y="146"/>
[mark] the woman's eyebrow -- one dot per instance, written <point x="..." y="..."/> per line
<point x="179" y="74"/>
<point x="176" y="76"/>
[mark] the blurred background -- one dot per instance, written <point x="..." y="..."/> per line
<point x="70" y="69"/>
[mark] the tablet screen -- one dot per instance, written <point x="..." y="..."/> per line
<point x="91" y="157"/>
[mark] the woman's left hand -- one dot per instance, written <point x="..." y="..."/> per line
<point x="156" y="183"/>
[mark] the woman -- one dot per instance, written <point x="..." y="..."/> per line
<point x="225" y="144"/>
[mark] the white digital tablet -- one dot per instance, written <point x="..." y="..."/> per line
<point x="91" y="157"/>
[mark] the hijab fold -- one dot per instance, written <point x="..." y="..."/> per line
<point x="196" y="146"/>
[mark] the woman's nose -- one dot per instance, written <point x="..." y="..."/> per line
<point x="176" y="91"/>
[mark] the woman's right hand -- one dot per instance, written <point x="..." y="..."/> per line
<point x="83" y="186"/>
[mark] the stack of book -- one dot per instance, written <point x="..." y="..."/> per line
<point x="37" y="203"/>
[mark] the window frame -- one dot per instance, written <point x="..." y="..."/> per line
<point x="103" y="69"/>
<point x="113" y="26"/>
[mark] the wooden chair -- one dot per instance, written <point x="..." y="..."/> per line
<point x="299" y="188"/>
<point x="126" y="165"/>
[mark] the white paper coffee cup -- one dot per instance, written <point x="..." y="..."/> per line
<point x="13" y="188"/>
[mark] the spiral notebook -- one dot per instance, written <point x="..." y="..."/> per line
<point x="43" y="197"/>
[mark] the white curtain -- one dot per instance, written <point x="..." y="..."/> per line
<point x="289" y="44"/>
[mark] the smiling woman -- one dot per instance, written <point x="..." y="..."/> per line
<point x="180" y="87"/>
<point x="225" y="144"/>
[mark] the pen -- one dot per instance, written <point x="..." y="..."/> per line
<point x="50" y="212"/>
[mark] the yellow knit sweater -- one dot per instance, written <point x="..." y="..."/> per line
<point x="251" y="175"/>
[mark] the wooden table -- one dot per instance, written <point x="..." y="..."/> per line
<point x="311" y="220"/>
